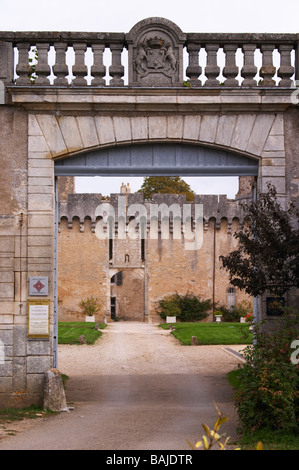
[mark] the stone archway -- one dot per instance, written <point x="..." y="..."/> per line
<point x="53" y="138"/>
<point x="127" y="296"/>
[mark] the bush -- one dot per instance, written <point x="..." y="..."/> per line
<point x="169" y="306"/>
<point x="90" y="306"/>
<point x="268" y="396"/>
<point x="228" y="315"/>
<point x="235" y="313"/>
<point x="186" y="308"/>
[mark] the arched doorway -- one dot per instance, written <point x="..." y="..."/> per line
<point x="127" y="295"/>
<point x="127" y="300"/>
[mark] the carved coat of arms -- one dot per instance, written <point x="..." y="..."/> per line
<point x="154" y="55"/>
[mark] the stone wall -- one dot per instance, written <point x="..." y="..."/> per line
<point x="87" y="263"/>
<point x="21" y="245"/>
<point x="83" y="269"/>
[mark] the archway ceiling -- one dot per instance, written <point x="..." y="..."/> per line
<point x="168" y="159"/>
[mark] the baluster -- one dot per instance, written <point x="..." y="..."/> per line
<point x="6" y="62"/>
<point x="212" y="70"/>
<point x="60" y="68"/>
<point x="268" y="70"/>
<point x="230" y="70"/>
<point x="286" y="69"/>
<point x="98" y="70"/>
<point x="116" y="70"/>
<point x="42" y="68"/>
<point x="193" y="70"/>
<point x="79" y="69"/>
<point x="249" y="70"/>
<point x="23" y="68"/>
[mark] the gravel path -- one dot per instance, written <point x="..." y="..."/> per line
<point x="136" y="388"/>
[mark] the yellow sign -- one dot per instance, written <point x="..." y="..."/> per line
<point x="38" y="319"/>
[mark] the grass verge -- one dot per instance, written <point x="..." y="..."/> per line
<point x="11" y="416"/>
<point x="211" y="333"/>
<point x="70" y="332"/>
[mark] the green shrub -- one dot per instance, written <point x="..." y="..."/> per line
<point x="269" y="381"/>
<point x="234" y="314"/>
<point x="169" y="306"/>
<point x="186" y="308"/>
<point x="90" y="306"/>
<point x="228" y="315"/>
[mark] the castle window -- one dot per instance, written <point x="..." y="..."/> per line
<point x="117" y="279"/>
<point x="113" y="307"/>
<point x="142" y="249"/>
<point x="231" y="298"/>
<point x="110" y="249"/>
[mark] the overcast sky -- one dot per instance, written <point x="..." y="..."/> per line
<point x="260" y="16"/>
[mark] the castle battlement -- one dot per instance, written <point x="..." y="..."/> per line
<point x="217" y="208"/>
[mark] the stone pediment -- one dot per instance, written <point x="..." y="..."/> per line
<point x="155" y="53"/>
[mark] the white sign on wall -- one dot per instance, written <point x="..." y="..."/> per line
<point x="38" y="319"/>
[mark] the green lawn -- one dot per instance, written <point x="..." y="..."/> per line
<point x="211" y="333"/>
<point x="70" y="332"/>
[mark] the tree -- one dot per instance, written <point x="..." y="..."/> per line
<point x="267" y="257"/>
<point x="165" y="185"/>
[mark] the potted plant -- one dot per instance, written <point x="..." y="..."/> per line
<point x="169" y="308"/>
<point x="90" y="307"/>
<point x="249" y="319"/>
<point x="218" y="316"/>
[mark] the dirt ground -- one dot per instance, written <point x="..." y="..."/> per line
<point x="136" y="388"/>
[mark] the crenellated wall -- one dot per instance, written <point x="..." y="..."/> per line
<point x="84" y="206"/>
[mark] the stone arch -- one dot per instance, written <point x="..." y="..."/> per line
<point x="257" y="135"/>
<point x="244" y="134"/>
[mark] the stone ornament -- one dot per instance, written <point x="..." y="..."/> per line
<point x="155" y="53"/>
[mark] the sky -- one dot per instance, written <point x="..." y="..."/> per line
<point x="230" y="16"/>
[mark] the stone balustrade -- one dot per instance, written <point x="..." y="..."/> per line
<point x="63" y="59"/>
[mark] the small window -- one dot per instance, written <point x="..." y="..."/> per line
<point x="231" y="298"/>
<point x="110" y="249"/>
<point x="113" y="307"/>
<point x="142" y="249"/>
<point x="117" y="279"/>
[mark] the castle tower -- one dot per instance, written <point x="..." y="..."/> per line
<point x="66" y="186"/>
<point x="245" y="187"/>
<point x="125" y="189"/>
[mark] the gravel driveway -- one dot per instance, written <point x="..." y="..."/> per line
<point x="137" y="388"/>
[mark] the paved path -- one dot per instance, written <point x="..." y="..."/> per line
<point x="136" y="389"/>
